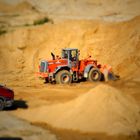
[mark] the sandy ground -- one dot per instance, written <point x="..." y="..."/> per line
<point x="28" y="98"/>
<point x="22" y="47"/>
<point x="17" y="129"/>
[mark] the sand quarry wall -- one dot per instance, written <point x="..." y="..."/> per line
<point x="117" y="44"/>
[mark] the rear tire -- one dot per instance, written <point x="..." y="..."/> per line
<point x="1" y="104"/>
<point x="46" y="80"/>
<point x="94" y="75"/>
<point x="63" y="77"/>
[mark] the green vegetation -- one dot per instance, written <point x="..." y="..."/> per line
<point x="27" y="24"/>
<point x="41" y="21"/>
<point x="2" y="31"/>
<point x="15" y="15"/>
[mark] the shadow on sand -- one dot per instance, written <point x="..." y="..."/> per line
<point x="17" y="104"/>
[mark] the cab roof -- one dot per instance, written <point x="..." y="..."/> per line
<point x="70" y="49"/>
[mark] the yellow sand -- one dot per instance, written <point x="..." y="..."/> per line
<point x="102" y="109"/>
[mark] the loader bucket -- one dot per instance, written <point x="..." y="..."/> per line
<point x="112" y="76"/>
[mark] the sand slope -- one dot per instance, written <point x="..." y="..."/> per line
<point x="109" y="10"/>
<point x="21" y="7"/>
<point x="117" y="44"/>
<point x="21" y="49"/>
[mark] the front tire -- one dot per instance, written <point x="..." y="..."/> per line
<point x="63" y="77"/>
<point x="94" y="75"/>
<point x="1" y="104"/>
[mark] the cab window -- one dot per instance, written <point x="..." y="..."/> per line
<point x="65" y="54"/>
<point x="73" y="55"/>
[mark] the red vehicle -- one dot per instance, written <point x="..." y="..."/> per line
<point x="6" y="97"/>
<point x="69" y="68"/>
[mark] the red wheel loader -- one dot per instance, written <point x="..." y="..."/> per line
<point x="69" y="68"/>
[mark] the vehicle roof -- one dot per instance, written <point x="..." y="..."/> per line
<point x="69" y="49"/>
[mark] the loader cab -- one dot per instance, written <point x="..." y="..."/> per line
<point x="72" y="56"/>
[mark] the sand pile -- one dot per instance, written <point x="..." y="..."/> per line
<point x="102" y="109"/>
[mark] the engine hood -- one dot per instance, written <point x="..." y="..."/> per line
<point x="58" y="61"/>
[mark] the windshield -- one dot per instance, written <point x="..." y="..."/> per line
<point x="65" y="54"/>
